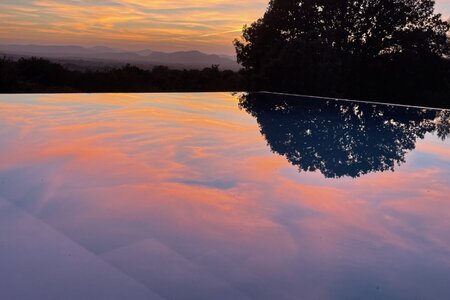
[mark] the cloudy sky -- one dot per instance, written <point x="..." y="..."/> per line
<point x="168" y="25"/>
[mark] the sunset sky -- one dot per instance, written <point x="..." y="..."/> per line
<point x="206" y="25"/>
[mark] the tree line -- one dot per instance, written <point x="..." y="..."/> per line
<point x="38" y="75"/>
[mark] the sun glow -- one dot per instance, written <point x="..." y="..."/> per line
<point x="209" y="26"/>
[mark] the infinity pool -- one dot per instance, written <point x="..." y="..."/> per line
<point x="221" y="196"/>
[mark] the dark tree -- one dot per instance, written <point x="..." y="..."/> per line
<point x="38" y="75"/>
<point x="376" y="49"/>
<point x="341" y="138"/>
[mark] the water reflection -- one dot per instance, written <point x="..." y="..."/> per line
<point x="177" y="196"/>
<point x="341" y="138"/>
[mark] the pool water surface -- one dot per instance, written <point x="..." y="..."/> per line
<point x="222" y="196"/>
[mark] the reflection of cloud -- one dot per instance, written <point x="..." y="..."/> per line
<point x="129" y="177"/>
<point x="435" y="149"/>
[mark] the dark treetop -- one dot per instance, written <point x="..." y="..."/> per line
<point x="389" y="50"/>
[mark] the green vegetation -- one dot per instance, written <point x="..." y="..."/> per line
<point x="380" y="50"/>
<point x="37" y="75"/>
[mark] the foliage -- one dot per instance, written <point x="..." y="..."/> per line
<point x="382" y="50"/>
<point x="40" y="75"/>
<point x="340" y="138"/>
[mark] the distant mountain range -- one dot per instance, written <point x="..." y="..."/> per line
<point x="105" y="56"/>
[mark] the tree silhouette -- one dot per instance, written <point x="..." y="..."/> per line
<point x="377" y="49"/>
<point x="40" y="75"/>
<point x="341" y="138"/>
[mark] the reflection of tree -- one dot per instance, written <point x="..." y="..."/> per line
<point x="341" y="138"/>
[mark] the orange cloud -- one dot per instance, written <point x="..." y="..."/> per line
<point x="161" y="25"/>
<point x="208" y="25"/>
